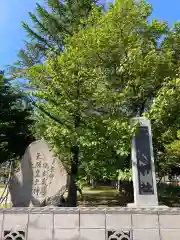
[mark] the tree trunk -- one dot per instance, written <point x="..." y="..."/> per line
<point x="118" y="185"/>
<point x="126" y="189"/>
<point x="72" y="189"/>
<point x="93" y="183"/>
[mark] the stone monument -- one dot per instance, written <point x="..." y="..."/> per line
<point x="41" y="177"/>
<point x="143" y="169"/>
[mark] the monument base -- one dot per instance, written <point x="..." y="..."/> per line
<point x="133" y="205"/>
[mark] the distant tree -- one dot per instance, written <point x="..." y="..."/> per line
<point x="15" y="122"/>
<point x="52" y="22"/>
<point x="165" y="111"/>
<point x="165" y="117"/>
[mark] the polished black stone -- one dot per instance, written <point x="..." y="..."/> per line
<point x="143" y="155"/>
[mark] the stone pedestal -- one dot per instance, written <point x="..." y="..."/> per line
<point x="144" y="177"/>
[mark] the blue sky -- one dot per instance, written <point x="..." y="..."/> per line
<point x="13" y="11"/>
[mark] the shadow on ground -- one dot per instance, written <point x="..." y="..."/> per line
<point x="102" y="196"/>
<point x="169" y="195"/>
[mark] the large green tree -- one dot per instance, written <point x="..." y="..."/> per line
<point x="165" y="116"/>
<point x="15" y="122"/>
<point x="108" y="72"/>
<point x="52" y="25"/>
<point x="53" y="22"/>
<point x="80" y="136"/>
<point x="165" y="111"/>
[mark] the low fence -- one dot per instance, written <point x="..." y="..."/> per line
<point x="175" y="181"/>
<point x="90" y="224"/>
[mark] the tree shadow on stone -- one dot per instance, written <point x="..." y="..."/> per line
<point x="22" y="182"/>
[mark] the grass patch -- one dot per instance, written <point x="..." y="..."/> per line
<point x="2" y="189"/>
<point x="169" y="195"/>
<point x="8" y="205"/>
<point x="101" y="196"/>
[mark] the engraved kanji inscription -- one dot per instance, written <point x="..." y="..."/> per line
<point x="143" y="154"/>
<point x="51" y="175"/>
<point x="38" y="164"/>
<point x="43" y="190"/>
<point x="36" y="190"/>
<point x="36" y="182"/>
<point x="44" y="181"/>
<point x="37" y="174"/>
<point x="44" y="173"/>
<point x="39" y="156"/>
<point x="45" y="165"/>
<point x="40" y="176"/>
<point x="52" y="169"/>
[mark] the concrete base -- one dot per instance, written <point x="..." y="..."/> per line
<point x="133" y="205"/>
<point x="97" y="223"/>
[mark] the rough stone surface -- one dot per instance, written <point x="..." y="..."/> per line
<point x="41" y="178"/>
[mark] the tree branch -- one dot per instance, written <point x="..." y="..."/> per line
<point x="48" y="114"/>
